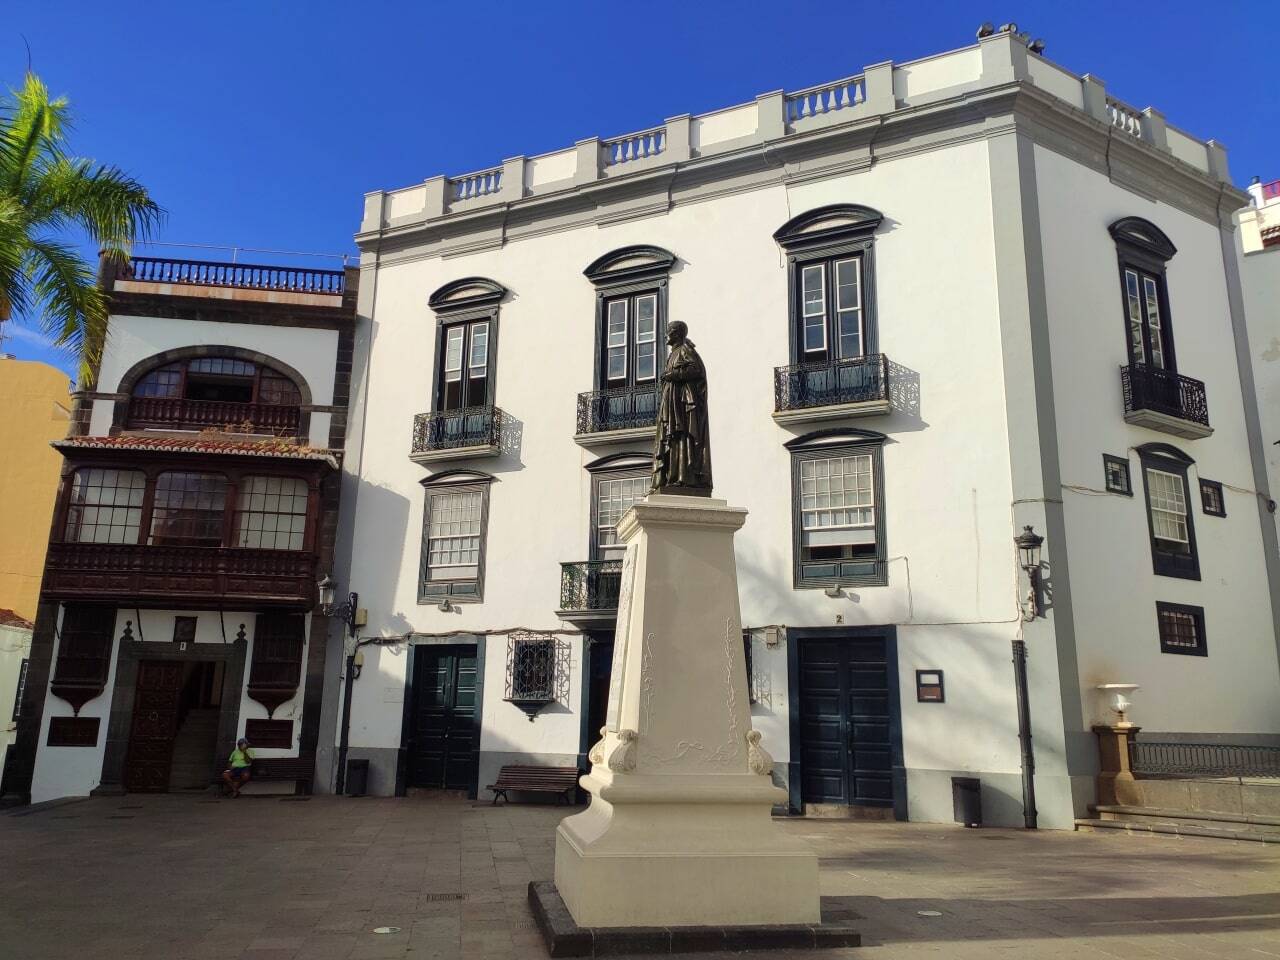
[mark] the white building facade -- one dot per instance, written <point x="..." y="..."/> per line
<point x="195" y="515"/>
<point x="938" y="302"/>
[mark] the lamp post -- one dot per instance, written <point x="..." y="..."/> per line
<point x="1028" y="543"/>
<point x="348" y="612"/>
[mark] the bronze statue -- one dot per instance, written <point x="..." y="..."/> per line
<point x="682" y="447"/>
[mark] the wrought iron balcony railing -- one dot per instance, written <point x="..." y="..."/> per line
<point x="181" y="414"/>
<point x="147" y="574"/>
<point x="1171" y="759"/>
<point x="1164" y="392"/>
<point x="590" y="585"/>
<point x="827" y="383"/>
<point x="455" y="429"/>
<point x="622" y="408"/>
<point x="248" y="276"/>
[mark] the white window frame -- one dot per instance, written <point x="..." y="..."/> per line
<point x="840" y="311"/>
<point x="643" y="339"/>
<point x="1164" y="512"/>
<point x="806" y="314"/>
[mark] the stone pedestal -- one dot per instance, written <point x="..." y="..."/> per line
<point x="1116" y="785"/>
<point x="679" y="832"/>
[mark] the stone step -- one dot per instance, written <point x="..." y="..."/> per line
<point x="1119" y="812"/>
<point x="1218" y="830"/>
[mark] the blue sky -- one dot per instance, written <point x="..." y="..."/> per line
<point x="262" y="124"/>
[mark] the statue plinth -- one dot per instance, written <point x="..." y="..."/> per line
<point x="679" y="832"/>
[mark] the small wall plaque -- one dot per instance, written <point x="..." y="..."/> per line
<point x="929" y="687"/>
<point x="184" y="630"/>
<point x="73" y="732"/>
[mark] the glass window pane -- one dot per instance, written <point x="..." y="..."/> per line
<point x="1136" y="348"/>
<point x="614" y="497"/>
<point x="479" y="345"/>
<point x="271" y="513"/>
<point x="106" y="506"/>
<point x="453" y="353"/>
<point x="188" y="509"/>
<point x="1151" y="298"/>
<point x="453" y="535"/>
<point x="813" y="286"/>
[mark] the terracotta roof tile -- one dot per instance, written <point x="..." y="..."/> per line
<point x="202" y="444"/>
<point x="10" y="619"/>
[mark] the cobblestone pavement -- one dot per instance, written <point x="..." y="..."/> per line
<point x="173" y="877"/>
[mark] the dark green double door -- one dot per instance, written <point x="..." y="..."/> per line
<point x="442" y="732"/>
<point x="846" y="741"/>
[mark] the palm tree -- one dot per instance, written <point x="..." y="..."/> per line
<point x="46" y="196"/>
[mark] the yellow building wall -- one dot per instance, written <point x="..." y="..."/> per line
<point x="34" y="409"/>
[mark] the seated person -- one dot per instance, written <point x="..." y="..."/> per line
<point x="237" y="774"/>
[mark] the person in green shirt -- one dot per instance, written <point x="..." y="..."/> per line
<point x="237" y="773"/>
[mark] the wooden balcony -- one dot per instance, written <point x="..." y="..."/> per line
<point x="1165" y="401"/>
<point x="456" y="434"/>
<point x="144" y="575"/>
<point x="831" y="389"/>
<point x="620" y="414"/>
<point x="176" y="413"/>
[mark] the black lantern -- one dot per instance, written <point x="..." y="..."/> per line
<point x="348" y="612"/>
<point x="1029" y="550"/>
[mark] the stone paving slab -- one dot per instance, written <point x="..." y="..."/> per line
<point x="262" y="879"/>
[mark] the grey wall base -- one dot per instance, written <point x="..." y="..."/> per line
<point x="492" y="761"/>
<point x="1059" y="799"/>
<point x="382" y="768"/>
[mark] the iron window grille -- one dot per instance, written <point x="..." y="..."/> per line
<point x="1116" y="471"/>
<point x="1211" y="499"/>
<point x="537" y="671"/>
<point x="1181" y="629"/>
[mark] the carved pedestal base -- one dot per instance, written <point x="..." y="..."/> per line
<point x="1116" y="784"/>
<point x="679" y="831"/>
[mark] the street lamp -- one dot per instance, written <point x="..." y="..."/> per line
<point x="348" y="612"/>
<point x="1028" y="543"/>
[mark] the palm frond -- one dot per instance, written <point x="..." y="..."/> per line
<point x="112" y="207"/>
<point x="74" y="309"/>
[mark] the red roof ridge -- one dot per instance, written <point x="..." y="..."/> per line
<point x="11" y="618"/>
<point x="267" y="447"/>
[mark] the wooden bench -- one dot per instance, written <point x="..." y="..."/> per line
<point x="559" y="780"/>
<point x="298" y="769"/>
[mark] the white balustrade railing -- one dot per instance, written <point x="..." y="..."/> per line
<point x="634" y="146"/>
<point x="480" y="184"/>
<point x="827" y="98"/>
<point x="1124" y="117"/>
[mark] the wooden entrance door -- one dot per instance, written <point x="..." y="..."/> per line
<point x="846" y="742"/>
<point x="442" y="747"/>
<point x="155" y="720"/>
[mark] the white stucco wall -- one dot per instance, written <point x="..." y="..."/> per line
<point x="1233" y="689"/>
<point x="951" y="573"/>
<point x="312" y="352"/>
<point x="1260" y="276"/>
<point x="75" y="771"/>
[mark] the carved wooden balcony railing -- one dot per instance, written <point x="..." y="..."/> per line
<point x="1164" y="400"/>
<point x="176" y="413"/>
<point x="179" y="576"/>
<point x="622" y="408"/>
<point x="471" y="431"/>
<point x="590" y="585"/>
<point x="247" y="276"/>
<point x="832" y="383"/>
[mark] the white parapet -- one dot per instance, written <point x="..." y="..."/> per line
<point x="679" y="831"/>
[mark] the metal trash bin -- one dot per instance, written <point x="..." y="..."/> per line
<point x="966" y="800"/>
<point x="357" y="778"/>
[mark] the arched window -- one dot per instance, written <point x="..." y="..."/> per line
<point x="216" y="391"/>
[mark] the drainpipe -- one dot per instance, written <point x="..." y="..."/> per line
<point x="350" y="677"/>
<point x="1024" y="734"/>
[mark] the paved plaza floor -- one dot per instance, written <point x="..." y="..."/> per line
<point x="173" y="877"/>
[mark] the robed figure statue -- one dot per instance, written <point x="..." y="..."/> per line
<point x="682" y="447"/>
